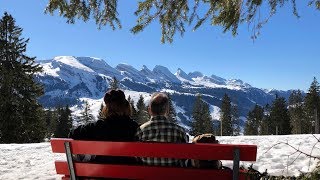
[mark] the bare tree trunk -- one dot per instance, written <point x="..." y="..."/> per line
<point x="316" y="121"/>
<point x="221" y="128"/>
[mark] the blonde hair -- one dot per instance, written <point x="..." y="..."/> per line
<point x="159" y="103"/>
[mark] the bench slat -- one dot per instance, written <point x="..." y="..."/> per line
<point x="143" y="172"/>
<point x="165" y="150"/>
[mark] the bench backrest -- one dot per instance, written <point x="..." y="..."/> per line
<point x="151" y="149"/>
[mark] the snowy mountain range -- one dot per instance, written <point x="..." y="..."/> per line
<point x="70" y="80"/>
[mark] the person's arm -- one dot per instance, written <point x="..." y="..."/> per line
<point x="183" y="136"/>
<point x="78" y="133"/>
<point x="138" y="134"/>
<point x="186" y="162"/>
<point x="186" y="137"/>
<point x="83" y="132"/>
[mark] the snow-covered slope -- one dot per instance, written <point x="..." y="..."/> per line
<point x="238" y="83"/>
<point x="36" y="161"/>
<point x="195" y="74"/>
<point x="164" y="74"/>
<point x="198" y="79"/>
<point x="132" y="73"/>
<point x="72" y="62"/>
<point x="67" y="76"/>
<point x="182" y="76"/>
<point x="146" y="72"/>
<point x="218" y="80"/>
<point x="100" y="66"/>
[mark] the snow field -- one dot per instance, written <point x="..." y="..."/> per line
<point x="36" y="161"/>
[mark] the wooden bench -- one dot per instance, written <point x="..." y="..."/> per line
<point x="72" y="170"/>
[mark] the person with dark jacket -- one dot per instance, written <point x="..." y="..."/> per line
<point x="116" y="125"/>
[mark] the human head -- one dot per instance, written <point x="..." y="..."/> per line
<point x="159" y="104"/>
<point x="115" y="104"/>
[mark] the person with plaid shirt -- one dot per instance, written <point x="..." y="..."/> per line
<point x="160" y="129"/>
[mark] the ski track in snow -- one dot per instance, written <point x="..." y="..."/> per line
<point x="36" y="161"/>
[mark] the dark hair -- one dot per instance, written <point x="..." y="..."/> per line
<point x="159" y="103"/>
<point x="116" y="104"/>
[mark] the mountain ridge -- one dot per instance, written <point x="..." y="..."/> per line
<point x="68" y="79"/>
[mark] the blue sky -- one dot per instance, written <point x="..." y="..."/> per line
<point x="285" y="55"/>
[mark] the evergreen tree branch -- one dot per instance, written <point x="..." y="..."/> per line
<point x="174" y="15"/>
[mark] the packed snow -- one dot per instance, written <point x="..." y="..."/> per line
<point x="36" y="161"/>
<point x="276" y="154"/>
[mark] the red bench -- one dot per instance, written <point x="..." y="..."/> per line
<point x="71" y="169"/>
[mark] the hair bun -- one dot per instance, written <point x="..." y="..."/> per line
<point x="114" y="96"/>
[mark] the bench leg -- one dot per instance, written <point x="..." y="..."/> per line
<point x="236" y="163"/>
<point x="67" y="147"/>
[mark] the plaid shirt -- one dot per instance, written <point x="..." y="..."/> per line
<point x="159" y="129"/>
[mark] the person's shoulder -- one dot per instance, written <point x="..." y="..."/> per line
<point x="84" y="131"/>
<point x="182" y="132"/>
<point x="133" y="123"/>
<point x="98" y="123"/>
<point x="129" y="120"/>
<point x="179" y="127"/>
<point x="84" y="126"/>
<point x="121" y="120"/>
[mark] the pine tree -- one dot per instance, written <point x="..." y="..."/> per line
<point x="226" y="116"/>
<point x="86" y="116"/>
<point x="172" y="111"/>
<point x="266" y="121"/>
<point x="142" y="114"/>
<point x="114" y="83"/>
<point x="201" y="118"/>
<point x="265" y="125"/>
<point x="279" y="117"/>
<point x="133" y="109"/>
<point x="196" y="116"/>
<point x="297" y="113"/>
<point x="254" y="121"/>
<point x="129" y="99"/>
<point x="100" y="115"/>
<point x="64" y="123"/>
<point x="312" y="102"/>
<point x="51" y="122"/>
<point x="22" y="118"/>
<point x="235" y="120"/>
